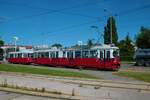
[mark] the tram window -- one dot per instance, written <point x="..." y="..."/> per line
<point x="67" y="54"/>
<point x="101" y="54"/>
<point x="39" y="55"/>
<point x="11" y="55"/>
<point x="64" y="54"/>
<point x="52" y="55"/>
<point x="46" y="54"/>
<point x="35" y="55"/>
<point x="70" y="54"/>
<point x="56" y="54"/>
<point x="85" y="54"/>
<point x="42" y="54"/>
<point x="16" y="55"/>
<point x="77" y="54"/>
<point x="30" y="55"/>
<point x="93" y="54"/>
<point x="108" y="54"/>
<point x="19" y="55"/>
<point x="25" y="55"/>
<point x="115" y="53"/>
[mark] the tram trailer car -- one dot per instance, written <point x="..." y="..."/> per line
<point x="99" y="57"/>
<point x="20" y="57"/>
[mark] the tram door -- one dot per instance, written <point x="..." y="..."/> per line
<point x="107" y="59"/>
<point x="102" y="58"/>
<point x="70" y="56"/>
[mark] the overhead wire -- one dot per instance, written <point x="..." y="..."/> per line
<point x="133" y="10"/>
<point x="75" y="26"/>
<point x="50" y="11"/>
<point x="119" y="14"/>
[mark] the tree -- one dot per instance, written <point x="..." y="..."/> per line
<point x="143" y="38"/>
<point x="1" y="42"/>
<point x="111" y="24"/>
<point x="57" y="45"/>
<point x="126" y="48"/>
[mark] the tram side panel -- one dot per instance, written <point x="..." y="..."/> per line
<point x="20" y="58"/>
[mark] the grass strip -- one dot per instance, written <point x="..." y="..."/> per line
<point x="142" y="76"/>
<point x="42" y="71"/>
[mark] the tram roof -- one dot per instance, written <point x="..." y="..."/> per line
<point x="105" y="47"/>
<point x="22" y="51"/>
<point x="81" y="48"/>
<point x="47" y="50"/>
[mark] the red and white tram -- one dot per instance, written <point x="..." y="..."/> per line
<point x="21" y="57"/>
<point x="98" y="57"/>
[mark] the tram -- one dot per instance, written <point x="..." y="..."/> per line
<point x="20" y="57"/>
<point x="98" y="57"/>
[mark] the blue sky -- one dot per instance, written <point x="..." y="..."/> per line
<point x="38" y="22"/>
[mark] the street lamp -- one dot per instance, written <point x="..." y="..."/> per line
<point x="15" y="42"/>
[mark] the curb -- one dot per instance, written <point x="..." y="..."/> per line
<point x="41" y="94"/>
